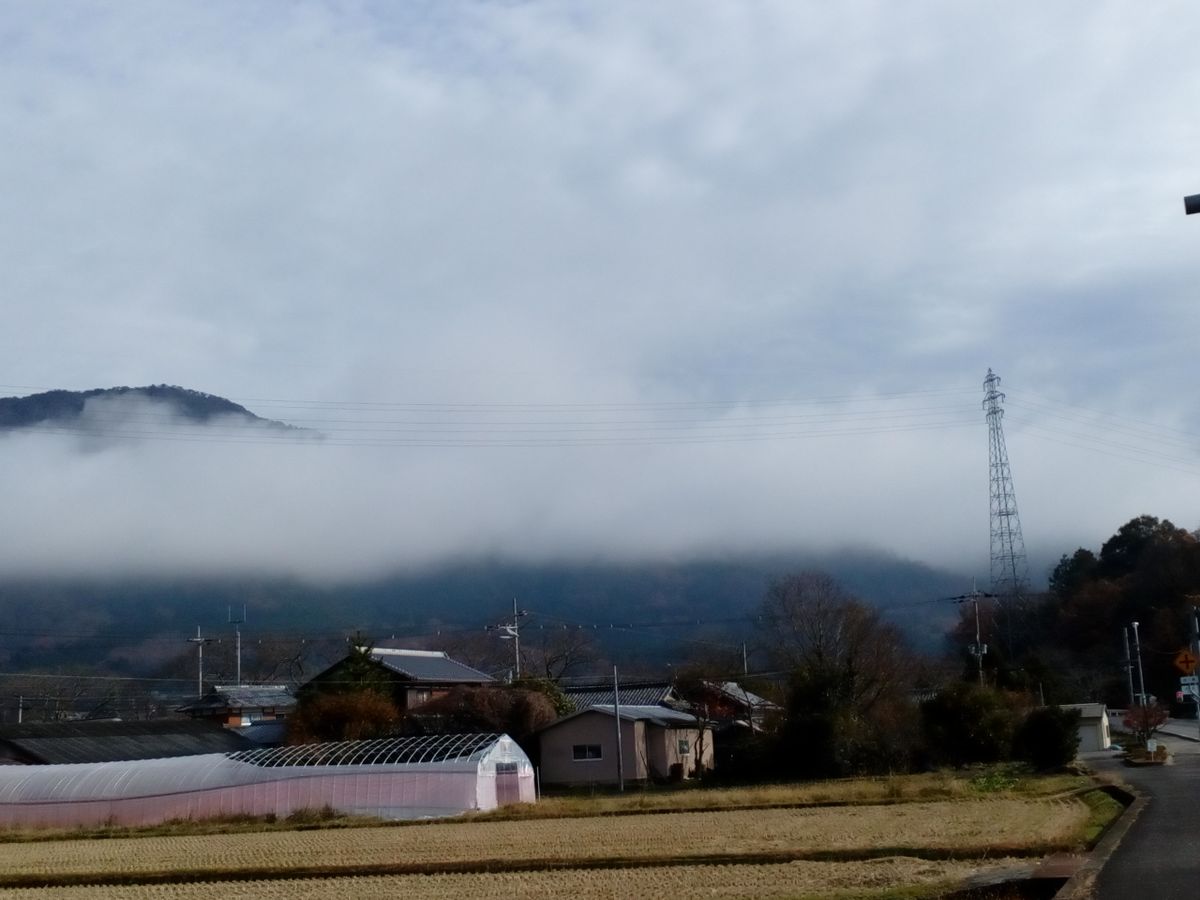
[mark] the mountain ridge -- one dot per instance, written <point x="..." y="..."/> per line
<point x="59" y="407"/>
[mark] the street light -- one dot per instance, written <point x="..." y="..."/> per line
<point x="1191" y="205"/>
<point x="1137" y="648"/>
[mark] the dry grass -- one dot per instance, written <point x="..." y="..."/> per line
<point x="890" y="789"/>
<point x="895" y="876"/>
<point x="961" y="828"/>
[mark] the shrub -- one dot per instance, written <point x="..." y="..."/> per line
<point x="966" y="723"/>
<point x="353" y="716"/>
<point x="1048" y="738"/>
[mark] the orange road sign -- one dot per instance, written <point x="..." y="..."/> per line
<point x="1186" y="661"/>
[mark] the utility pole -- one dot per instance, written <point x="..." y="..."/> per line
<point x="977" y="649"/>
<point x="1137" y="647"/>
<point x="1196" y="645"/>
<point x="1129" y="668"/>
<point x="617" y="716"/>
<point x="511" y="631"/>
<point x="199" y="642"/>
<point x="237" y="632"/>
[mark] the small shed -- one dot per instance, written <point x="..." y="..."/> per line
<point x="1093" y="726"/>
<point x="582" y="748"/>
<point x="391" y="778"/>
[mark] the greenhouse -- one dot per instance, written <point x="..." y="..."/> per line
<point x="391" y="778"/>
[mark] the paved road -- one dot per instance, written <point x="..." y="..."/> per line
<point x="1159" y="859"/>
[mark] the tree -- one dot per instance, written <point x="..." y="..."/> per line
<point x="1144" y="720"/>
<point x="517" y="713"/>
<point x="1072" y="572"/>
<point x="849" y="683"/>
<point x="967" y="723"/>
<point x="555" y="652"/>
<point x="349" y="715"/>
<point x="814" y="627"/>
<point x="357" y="672"/>
<point x="1048" y="738"/>
<point x="1121" y="553"/>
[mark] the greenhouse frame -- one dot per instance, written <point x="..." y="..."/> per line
<point x="390" y="778"/>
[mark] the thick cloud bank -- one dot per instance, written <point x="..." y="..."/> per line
<point x="574" y="219"/>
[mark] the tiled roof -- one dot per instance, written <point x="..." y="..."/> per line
<point x="79" y="742"/>
<point x="655" y="694"/>
<point x="739" y="694"/>
<point x="243" y="696"/>
<point x="428" y="665"/>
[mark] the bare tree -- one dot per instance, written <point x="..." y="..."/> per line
<point x="812" y="625"/>
<point x="849" y="704"/>
<point x="556" y="652"/>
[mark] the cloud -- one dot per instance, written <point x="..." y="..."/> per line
<point x="623" y="204"/>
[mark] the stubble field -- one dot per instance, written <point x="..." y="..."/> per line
<point x="863" y="849"/>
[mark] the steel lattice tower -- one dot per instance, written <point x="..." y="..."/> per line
<point x="1010" y="570"/>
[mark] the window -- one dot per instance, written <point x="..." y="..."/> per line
<point x="685" y="746"/>
<point x="586" y="751"/>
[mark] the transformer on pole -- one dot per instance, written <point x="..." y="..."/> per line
<point x="1009" y="567"/>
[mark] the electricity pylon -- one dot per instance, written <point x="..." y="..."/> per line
<point x="1009" y="568"/>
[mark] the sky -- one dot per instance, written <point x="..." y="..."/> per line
<point x="596" y="281"/>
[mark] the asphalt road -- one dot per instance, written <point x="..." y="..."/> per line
<point x="1159" y="858"/>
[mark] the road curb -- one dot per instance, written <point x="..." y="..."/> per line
<point x="1080" y="885"/>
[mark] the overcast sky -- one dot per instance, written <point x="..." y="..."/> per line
<point x="544" y="272"/>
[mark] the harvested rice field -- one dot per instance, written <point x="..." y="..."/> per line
<point x="791" y="880"/>
<point x="960" y="829"/>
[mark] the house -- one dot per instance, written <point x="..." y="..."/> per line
<point x="1093" y="726"/>
<point x="633" y="693"/>
<point x="730" y="704"/>
<point x="413" y="676"/>
<point x="242" y="705"/>
<point x="58" y="743"/>
<point x="657" y="743"/>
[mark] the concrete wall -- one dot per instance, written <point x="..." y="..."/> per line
<point x="558" y="765"/>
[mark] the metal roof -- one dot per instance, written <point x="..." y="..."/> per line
<point x="428" y="665"/>
<point x="86" y="742"/>
<point x="662" y="716"/>
<point x="433" y="748"/>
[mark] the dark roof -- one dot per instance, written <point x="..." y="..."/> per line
<point x="644" y="694"/>
<point x="242" y="696"/>
<point x="428" y="665"/>
<point x="109" y="741"/>
<point x="270" y="733"/>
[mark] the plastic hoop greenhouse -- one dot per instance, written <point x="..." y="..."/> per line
<point x="392" y="778"/>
